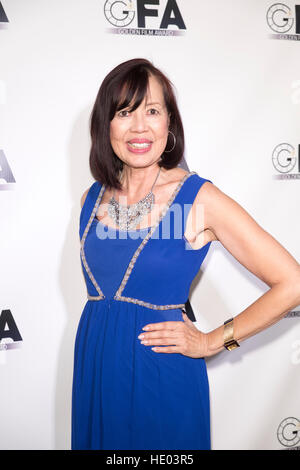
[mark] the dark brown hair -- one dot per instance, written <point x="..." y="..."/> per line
<point x="125" y="84"/>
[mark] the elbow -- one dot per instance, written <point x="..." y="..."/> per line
<point x="290" y="289"/>
<point x="294" y="289"/>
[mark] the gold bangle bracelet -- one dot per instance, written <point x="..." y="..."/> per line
<point x="229" y="342"/>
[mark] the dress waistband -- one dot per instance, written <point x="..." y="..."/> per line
<point x="139" y="302"/>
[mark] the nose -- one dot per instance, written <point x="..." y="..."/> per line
<point x="139" y="121"/>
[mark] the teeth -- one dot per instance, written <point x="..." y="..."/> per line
<point x="139" y="146"/>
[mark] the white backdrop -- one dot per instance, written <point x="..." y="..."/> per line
<point x="238" y="90"/>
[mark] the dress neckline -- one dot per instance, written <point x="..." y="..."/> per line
<point x="119" y="230"/>
<point x="118" y="295"/>
<point x="164" y="212"/>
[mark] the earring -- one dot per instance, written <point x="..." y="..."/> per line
<point x="167" y="151"/>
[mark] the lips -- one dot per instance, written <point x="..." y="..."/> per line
<point x="139" y="145"/>
<point x="140" y="141"/>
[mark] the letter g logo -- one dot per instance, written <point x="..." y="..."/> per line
<point x="119" y="12"/>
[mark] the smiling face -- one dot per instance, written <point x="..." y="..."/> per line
<point x="139" y="137"/>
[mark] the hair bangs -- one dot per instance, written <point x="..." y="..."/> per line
<point x="133" y="90"/>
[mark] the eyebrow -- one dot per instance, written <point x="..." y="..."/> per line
<point x="150" y="104"/>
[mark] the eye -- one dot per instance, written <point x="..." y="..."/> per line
<point x="123" y="113"/>
<point x="155" y="111"/>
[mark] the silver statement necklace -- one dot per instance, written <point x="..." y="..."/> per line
<point x="128" y="217"/>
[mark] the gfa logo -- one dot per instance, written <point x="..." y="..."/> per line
<point x="3" y="17"/>
<point x="122" y="13"/>
<point x="286" y="161"/>
<point x="8" y="330"/>
<point x="281" y="20"/>
<point x="288" y="433"/>
<point x="6" y="175"/>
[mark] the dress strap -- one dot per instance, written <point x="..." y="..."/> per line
<point x="188" y="196"/>
<point x="88" y="206"/>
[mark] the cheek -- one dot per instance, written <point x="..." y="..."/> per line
<point x="116" y="131"/>
<point x="113" y="132"/>
<point x="114" y="138"/>
<point x="161" y="130"/>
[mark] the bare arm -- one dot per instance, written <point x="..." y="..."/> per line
<point x="261" y="254"/>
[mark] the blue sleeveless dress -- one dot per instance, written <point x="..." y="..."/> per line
<point x="126" y="396"/>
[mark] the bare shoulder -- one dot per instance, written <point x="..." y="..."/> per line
<point x="209" y="193"/>
<point x="83" y="197"/>
<point x="179" y="173"/>
<point x="218" y="206"/>
<point x="218" y="209"/>
<point x="167" y="183"/>
<point x="175" y="175"/>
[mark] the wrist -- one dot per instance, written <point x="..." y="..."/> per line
<point x="218" y="338"/>
<point x="214" y="341"/>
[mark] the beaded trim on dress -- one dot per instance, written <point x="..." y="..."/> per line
<point x="118" y="294"/>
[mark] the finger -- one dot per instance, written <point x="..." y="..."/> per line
<point x="159" y="341"/>
<point x="158" y="334"/>
<point x="169" y="325"/>
<point x="167" y="349"/>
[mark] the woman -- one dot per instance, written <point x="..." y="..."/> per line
<point x="140" y="379"/>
